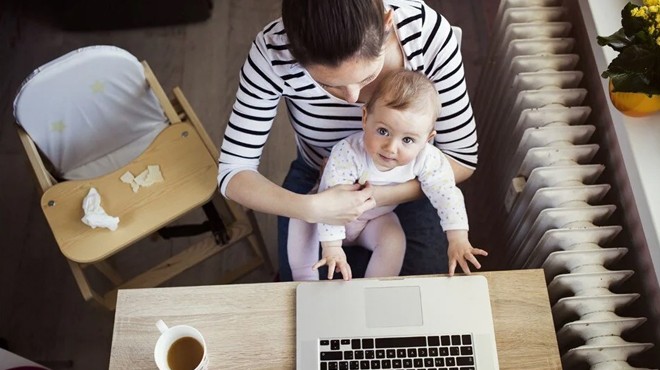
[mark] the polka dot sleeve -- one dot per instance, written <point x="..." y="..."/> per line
<point x="437" y="180"/>
<point x="343" y="167"/>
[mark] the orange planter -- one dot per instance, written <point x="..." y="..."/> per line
<point x="635" y="104"/>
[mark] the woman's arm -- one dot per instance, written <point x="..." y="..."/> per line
<point x="443" y="65"/>
<point x="461" y="173"/>
<point x="335" y="206"/>
<point x="390" y="195"/>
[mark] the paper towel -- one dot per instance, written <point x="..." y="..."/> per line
<point x="95" y="215"/>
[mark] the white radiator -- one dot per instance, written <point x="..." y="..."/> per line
<point x="536" y="152"/>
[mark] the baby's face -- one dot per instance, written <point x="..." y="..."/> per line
<point x="394" y="138"/>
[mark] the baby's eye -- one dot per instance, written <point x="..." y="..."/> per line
<point x="381" y="131"/>
<point x="408" y="140"/>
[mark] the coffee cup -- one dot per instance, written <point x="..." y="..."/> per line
<point x="180" y="347"/>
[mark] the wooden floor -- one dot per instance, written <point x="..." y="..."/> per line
<point x="42" y="314"/>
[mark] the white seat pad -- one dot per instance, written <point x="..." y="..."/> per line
<point x="90" y="111"/>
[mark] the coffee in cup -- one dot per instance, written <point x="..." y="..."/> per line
<point x="180" y="347"/>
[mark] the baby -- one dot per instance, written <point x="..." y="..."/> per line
<point x="394" y="147"/>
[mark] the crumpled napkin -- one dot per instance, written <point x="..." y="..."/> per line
<point x="95" y="215"/>
<point x="146" y="178"/>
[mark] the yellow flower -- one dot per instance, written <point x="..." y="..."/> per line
<point x="651" y="2"/>
<point x="651" y="29"/>
<point x="657" y="41"/>
<point x="653" y="8"/>
<point x="640" y="12"/>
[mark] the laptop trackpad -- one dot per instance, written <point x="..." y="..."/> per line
<point x="393" y="306"/>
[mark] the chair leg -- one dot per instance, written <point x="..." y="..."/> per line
<point x="85" y="289"/>
<point x="109" y="272"/>
<point x="257" y="242"/>
<point x="255" y="238"/>
<point x="239" y="272"/>
<point x="218" y="227"/>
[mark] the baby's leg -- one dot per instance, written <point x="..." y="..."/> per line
<point x="303" y="250"/>
<point x="384" y="236"/>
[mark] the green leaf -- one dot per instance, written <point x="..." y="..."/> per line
<point x="635" y="69"/>
<point x="631" y="25"/>
<point x="617" y="41"/>
<point x="627" y="82"/>
<point x="642" y="37"/>
<point x="635" y="58"/>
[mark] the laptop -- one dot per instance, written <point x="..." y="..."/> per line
<point x="401" y="323"/>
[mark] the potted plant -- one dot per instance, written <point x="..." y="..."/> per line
<point x="635" y="73"/>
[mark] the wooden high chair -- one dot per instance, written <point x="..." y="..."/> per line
<point x="87" y="118"/>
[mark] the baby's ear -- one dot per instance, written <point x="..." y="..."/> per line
<point x="431" y="136"/>
<point x="388" y="20"/>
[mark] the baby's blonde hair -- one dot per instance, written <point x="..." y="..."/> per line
<point x="406" y="90"/>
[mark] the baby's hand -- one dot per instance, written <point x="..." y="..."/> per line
<point x="335" y="258"/>
<point x="460" y="251"/>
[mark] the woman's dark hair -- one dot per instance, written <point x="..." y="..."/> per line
<point x="329" y="32"/>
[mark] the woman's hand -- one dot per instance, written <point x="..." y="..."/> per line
<point x="460" y="251"/>
<point x="335" y="258"/>
<point x="340" y="204"/>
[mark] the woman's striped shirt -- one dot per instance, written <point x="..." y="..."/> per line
<point x="318" y="118"/>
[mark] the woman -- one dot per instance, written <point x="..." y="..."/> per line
<point x="325" y="57"/>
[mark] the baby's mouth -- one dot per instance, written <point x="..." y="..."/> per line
<point x="385" y="158"/>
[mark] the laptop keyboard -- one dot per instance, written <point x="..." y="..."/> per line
<point x="440" y="352"/>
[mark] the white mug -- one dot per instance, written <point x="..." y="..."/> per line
<point x="170" y="335"/>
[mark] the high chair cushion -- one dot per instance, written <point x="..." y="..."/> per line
<point x="104" y="117"/>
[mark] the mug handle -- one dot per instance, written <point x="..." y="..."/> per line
<point x="160" y="324"/>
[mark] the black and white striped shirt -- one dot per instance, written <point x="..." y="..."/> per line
<point x="318" y="118"/>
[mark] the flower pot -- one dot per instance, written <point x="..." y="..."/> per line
<point x="635" y="104"/>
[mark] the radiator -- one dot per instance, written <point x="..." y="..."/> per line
<point x="545" y="206"/>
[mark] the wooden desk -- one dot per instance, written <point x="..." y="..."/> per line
<point x="252" y="326"/>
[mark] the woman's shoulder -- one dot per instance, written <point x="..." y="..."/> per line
<point x="270" y="47"/>
<point x="272" y="41"/>
<point x="421" y="30"/>
<point x="415" y="16"/>
<point x="418" y="8"/>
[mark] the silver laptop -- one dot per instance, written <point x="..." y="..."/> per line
<point x="408" y="322"/>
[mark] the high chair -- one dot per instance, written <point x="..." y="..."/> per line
<point x="89" y="117"/>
